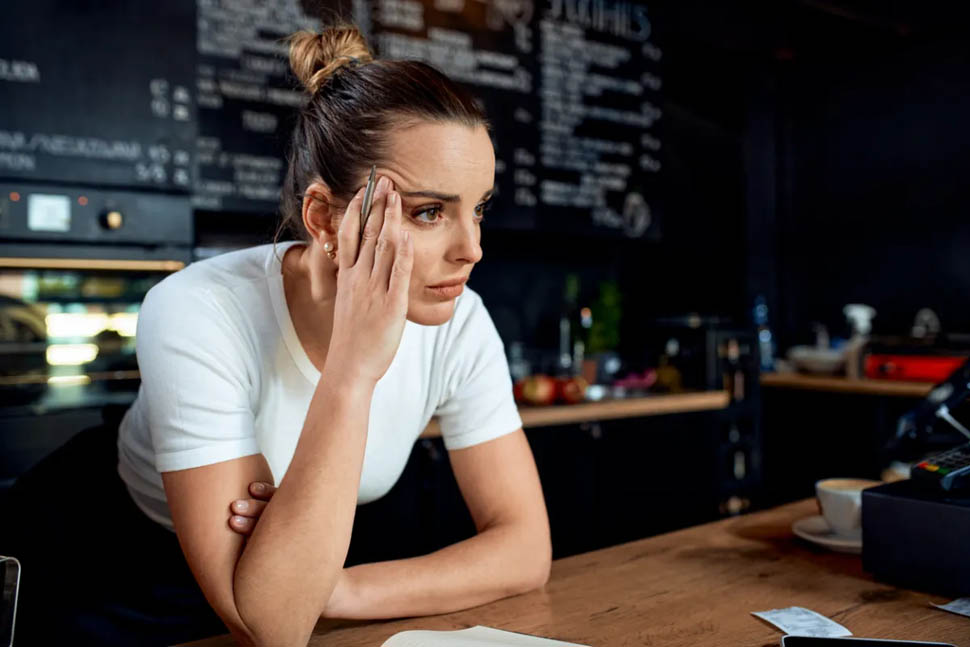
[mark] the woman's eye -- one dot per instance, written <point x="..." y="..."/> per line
<point x="432" y="213"/>
<point x="482" y="207"/>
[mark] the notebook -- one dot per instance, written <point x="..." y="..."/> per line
<point x="471" y="637"/>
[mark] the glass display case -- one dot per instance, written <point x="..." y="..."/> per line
<point x="67" y="333"/>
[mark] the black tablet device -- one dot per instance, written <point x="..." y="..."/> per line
<point x="9" y="583"/>
<point x="806" y="641"/>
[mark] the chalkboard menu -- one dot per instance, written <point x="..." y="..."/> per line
<point x="247" y="101"/>
<point x="98" y="93"/>
<point x="195" y="96"/>
<point x="571" y="88"/>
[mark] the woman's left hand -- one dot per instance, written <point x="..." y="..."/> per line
<point x="246" y="512"/>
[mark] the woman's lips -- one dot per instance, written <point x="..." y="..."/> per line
<point x="447" y="291"/>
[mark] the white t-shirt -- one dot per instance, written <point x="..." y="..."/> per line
<point x="224" y="376"/>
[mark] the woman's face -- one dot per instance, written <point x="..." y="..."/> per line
<point x="444" y="173"/>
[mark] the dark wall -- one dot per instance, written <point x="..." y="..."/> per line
<point x="698" y="265"/>
<point x="856" y="165"/>
<point x="879" y="201"/>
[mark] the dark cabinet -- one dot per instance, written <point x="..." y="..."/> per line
<point x="604" y="483"/>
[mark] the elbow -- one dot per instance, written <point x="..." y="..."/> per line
<point x="261" y="627"/>
<point x="275" y="634"/>
<point x="532" y="579"/>
<point x="272" y="615"/>
<point x="543" y="558"/>
<point x="266" y="631"/>
<point x="535" y="572"/>
<point x="542" y="569"/>
<point x="546" y="569"/>
<point x="262" y="619"/>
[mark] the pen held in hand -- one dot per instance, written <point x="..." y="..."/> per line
<point x="365" y="206"/>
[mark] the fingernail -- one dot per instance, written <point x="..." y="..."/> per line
<point x="391" y="198"/>
<point x="258" y="487"/>
<point x="241" y="521"/>
<point x="242" y="506"/>
<point x="382" y="183"/>
<point x="407" y="235"/>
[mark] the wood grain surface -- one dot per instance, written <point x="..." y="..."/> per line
<point x="836" y="384"/>
<point x="654" y="405"/>
<point x="692" y="588"/>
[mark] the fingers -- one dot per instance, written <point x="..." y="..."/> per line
<point x="261" y="490"/>
<point x="389" y="241"/>
<point x="348" y="235"/>
<point x="381" y="250"/>
<point x="375" y="223"/>
<point x="248" y="507"/>
<point x="400" y="280"/>
<point x="246" y="513"/>
<point x="242" y="525"/>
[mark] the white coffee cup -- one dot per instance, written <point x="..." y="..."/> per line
<point x="841" y="503"/>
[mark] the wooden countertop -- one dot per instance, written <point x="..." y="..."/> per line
<point x="654" y="405"/>
<point x="836" y="384"/>
<point x="692" y="588"/>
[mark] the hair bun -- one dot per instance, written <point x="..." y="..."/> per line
<point x="315" y="57"/>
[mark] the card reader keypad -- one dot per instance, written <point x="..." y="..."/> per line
<point x="948" y="467"/>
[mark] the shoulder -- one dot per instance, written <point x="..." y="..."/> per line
<point x="230" y="270"/>
<point x="218" y="298"/>
<point x="229" y="281"/>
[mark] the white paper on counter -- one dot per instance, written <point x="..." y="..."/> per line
<point x="960" y="606"/>
<point x="472" y="637"/>
<point x="799" y="621"/>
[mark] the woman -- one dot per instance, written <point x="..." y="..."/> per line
<point x="316" y="364"/>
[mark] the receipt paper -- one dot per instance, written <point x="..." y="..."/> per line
<point x="799" y="621"/>
<point x="960" y="606"/>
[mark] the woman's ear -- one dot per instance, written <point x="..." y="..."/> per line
<point x="319" y="211"/>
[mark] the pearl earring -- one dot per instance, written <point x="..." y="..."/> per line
<point x="330" y="250"/>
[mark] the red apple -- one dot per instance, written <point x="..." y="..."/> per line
<point x="572" y="390"/>
<point x="517" y="390"/>
<point x="539" y="389"/>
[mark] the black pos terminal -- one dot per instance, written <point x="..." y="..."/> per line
<point x="916" y="532"/>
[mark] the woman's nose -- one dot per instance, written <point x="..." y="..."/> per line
<point x="466" y="245"/>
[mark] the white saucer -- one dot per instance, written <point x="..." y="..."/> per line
<point x="816" y="530"/>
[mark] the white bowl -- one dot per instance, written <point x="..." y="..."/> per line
<point x="816" y="360"/>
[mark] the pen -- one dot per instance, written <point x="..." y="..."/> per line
<point x="365" y="207"/>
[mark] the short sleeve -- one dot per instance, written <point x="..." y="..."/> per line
<point x="477" y="405"/>
<point x="195" y="377"/>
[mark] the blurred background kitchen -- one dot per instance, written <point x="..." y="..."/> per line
<point x="729" y="248"/>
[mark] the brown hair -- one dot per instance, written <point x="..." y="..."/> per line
<point x="355" y="101"/>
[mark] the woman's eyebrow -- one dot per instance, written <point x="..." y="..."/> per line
<point x="443" y="197"/>
<point x="434" y="195"/>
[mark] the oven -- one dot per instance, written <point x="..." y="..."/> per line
<point x="75" y="264"/>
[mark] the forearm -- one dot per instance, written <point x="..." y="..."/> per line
<point x="291" y="562"/>
<point x="500" y="561"/>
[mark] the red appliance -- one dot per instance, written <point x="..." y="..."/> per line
<point x="912" y="368"/>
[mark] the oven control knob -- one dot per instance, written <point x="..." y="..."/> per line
<point x="112" y="219"/>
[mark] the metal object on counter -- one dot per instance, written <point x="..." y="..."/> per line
<point x="519" y="367"/>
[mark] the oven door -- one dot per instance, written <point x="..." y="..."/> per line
<point x="75" y="265"/>
<point x="67" y="348"/>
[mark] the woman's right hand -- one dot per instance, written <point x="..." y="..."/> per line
<point x="373" y="277"/>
